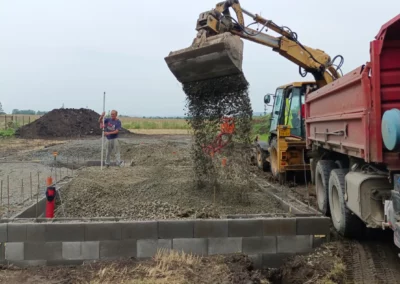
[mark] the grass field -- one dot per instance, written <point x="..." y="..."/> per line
<point x="152" y="123"/>
<point x="136" y="124"/>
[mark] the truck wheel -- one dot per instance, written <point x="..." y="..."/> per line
<point x="322" y="172"/>
<point x="262" y="163"/>
<point x="344" y="221"/>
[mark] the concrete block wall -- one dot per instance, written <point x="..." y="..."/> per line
<point x="267" y="241"/>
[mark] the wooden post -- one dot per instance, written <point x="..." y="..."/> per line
<point x="29" y="119"/>
<point x="23" y="120"/>
<point x="1" y="197"/>
<point x="30" y="176"/>
<point x="8" y="193"/>
<point x="22" y="190"/>
<point x="37" y="194"/>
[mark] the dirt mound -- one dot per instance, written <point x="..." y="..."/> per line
<point x="325" y="265"/>
<point x="63" y="123"/>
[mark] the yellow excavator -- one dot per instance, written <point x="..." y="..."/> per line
<point x="217" y="51"/>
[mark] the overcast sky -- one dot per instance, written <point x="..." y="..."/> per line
<point x="55" y="52"/>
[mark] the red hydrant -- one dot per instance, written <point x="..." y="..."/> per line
<point x="50" y="196"/>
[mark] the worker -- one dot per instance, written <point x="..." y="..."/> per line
<point x="112" y="126"/>
<point x="288" y="120"/>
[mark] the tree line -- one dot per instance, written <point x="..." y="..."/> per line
<point x="22" y="111"/>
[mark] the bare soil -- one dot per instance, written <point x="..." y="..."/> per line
<point x="166" y="267"/>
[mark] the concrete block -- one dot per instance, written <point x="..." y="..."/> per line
<point x="71" y="250"/>
<point x="245" y="228"/>
<point x="224" y="246"/>
<point x="211" y="229"/>
<point x="279" y="227"/>
<point x="175" y="229"/>
<point x="65" y="262"/>
<point x="2" y="251"/>
<point x="27" y="263"/>
<point x="91" y="250"/>
<point x="257" y="245"/>
<point x="313" y="226"/>
<point x="294" y="244"/>
<point x="43" y="251"/>
<point x="148" y="248"/>
<point x="14" y="251"/>
<point x="16" y="233"/>
<point x="117" y="249"/>
<point x="65" y="232"/>
<point x="36" y="232"/>
<point x="81" y="250"/>
<point x="191" y="246"/>
<point x="102" y="231"/>
<point x="139" y="230"/>
<point x="3" y="233"/>
<point x="257" y="260"/>
<point x="275" y="260"/>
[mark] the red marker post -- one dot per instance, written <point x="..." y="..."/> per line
<point x="50" y="196"/>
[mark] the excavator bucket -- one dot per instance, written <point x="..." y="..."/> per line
<point x="216" y="56"/>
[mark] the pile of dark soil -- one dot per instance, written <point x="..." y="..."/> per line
<point x="208" y="102"/>
<point x="63" y="123"/>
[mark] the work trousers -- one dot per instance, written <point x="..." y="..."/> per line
<point x="113" y="144"/>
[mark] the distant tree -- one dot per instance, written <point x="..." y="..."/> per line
<point x="41" y="112"/>
<point x="1" y="109"/>
<point x="24" y="111"/>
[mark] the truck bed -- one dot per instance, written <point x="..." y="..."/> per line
<point x="346" y="115"/>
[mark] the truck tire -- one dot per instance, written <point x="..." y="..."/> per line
<point x="273" y="156"/>
<point x="261" y="157"/>
<point x="322" y="172"/>
<point x="344" y="221"/>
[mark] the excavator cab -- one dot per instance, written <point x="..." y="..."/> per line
<point x="283" y="154"/>
<point x="288" y="109"/>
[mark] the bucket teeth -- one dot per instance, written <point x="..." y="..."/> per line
<point x="216" y="56"/>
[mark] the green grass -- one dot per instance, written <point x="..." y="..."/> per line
<point x="6" y="133"/>
<point x="263" y="137"/>
<point x="139" y="123"/>
<point x="261" y="127"/>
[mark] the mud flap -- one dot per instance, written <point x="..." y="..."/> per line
<point x="396" y="234"/>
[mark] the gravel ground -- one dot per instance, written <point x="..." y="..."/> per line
<point x="21" y="192"/>
<point x="156" y="183"/>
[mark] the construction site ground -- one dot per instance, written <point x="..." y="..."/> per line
<point x="156" y="183"/>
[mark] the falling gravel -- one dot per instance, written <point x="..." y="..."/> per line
<point x="208" y="102"/>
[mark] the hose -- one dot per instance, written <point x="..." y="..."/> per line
<point x="294" y="37"/>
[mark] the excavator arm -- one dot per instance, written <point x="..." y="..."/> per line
<point x="218" y="51"/>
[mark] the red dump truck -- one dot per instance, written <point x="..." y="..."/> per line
<point x="353" y="133"/>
